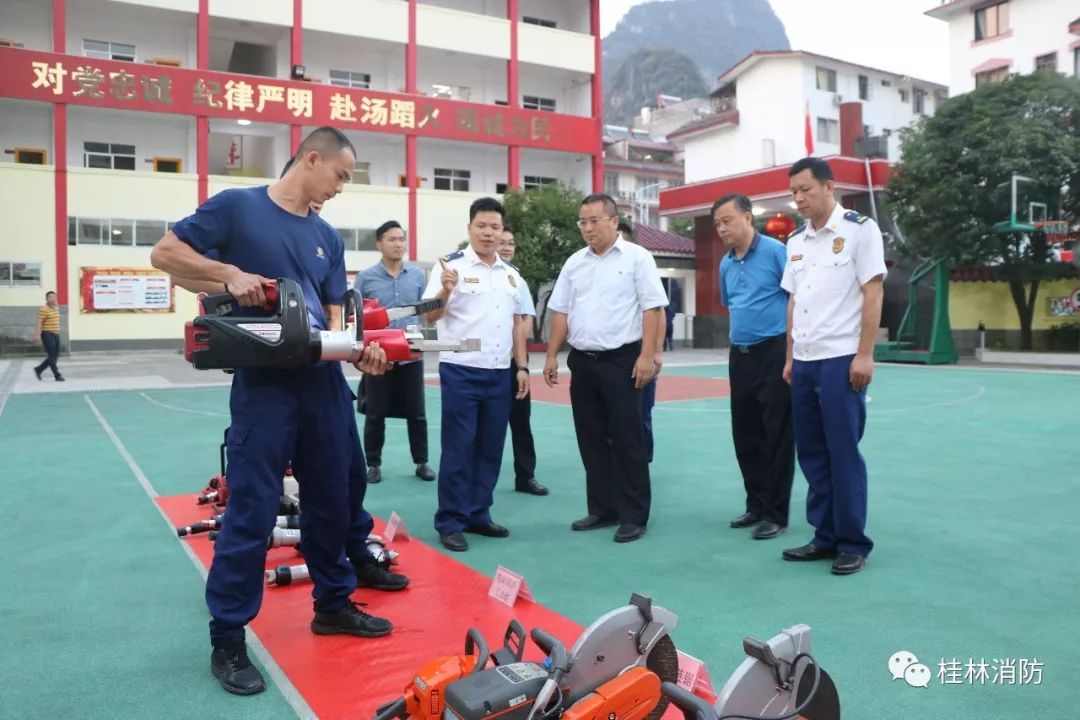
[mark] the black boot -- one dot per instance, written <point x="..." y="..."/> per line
<point x="370" y="575"/>
<point x="350" y="620"/>
<point x="229" y="663"/>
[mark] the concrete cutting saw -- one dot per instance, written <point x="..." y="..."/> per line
<point x="227" y="337"/>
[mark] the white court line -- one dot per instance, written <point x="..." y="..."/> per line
<point x="7" y="382"/>
<point x="948" y="403"/>
<point x="292" y="695"/>
<point x="181" y="409"/>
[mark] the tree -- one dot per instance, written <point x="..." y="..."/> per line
<point x="953" y="181"/>
<point x="544" y="221"/>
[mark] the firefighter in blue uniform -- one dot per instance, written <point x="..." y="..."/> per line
<point x="834" y="275"/>
<point x="263" y="233"/>
<point x="482" y="299"/>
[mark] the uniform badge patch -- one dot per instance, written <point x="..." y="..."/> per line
<point x="796" y="258"/>
<point x="837" y="245"/>
<point x="472" y="279"/>
<point x="513" y="282"/>
<point x="319" y="250"/>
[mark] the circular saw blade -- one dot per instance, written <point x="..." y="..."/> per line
<point x="664" y="661"/>
<point x="826" y="702"/>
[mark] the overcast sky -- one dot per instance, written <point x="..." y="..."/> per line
<point x="894" y="36"/>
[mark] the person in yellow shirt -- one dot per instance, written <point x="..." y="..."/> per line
<point x="48" y="329"/>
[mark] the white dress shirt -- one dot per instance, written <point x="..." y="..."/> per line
<point x="604" y="296"/>
<point x="482" y="305"/>
<point x="825" y="272"/>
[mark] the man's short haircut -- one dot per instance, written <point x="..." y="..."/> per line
<point x="507" y="228"/>
<point x="486" y="204"/>
<point x="820" y="169"/>
<point x="742" y="203"/>
<point x="51" y="292"/>
<point x="326" y="141"/>
<point x="609" y="204"/>
<point x="387" y="227"/>
<point x="624" y="227"/>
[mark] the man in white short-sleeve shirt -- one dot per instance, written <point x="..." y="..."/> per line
<point x="834" y="275"/>
<point x="607" y="301"/>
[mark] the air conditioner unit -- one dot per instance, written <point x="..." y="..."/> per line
<point x="838" y="99"/>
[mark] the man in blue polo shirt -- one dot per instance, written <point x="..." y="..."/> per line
<point x="761" y="428"/>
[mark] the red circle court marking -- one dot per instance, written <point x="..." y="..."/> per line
<point x="669" y="388"/>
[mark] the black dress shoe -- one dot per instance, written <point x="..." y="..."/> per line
<point x="808" y="552"/>
<point x="454" y="541"/>
<point x="374" y="475"/>
<point x="629" y="532"/>
<point x="233" y="669"/>
<point x="424" y="472"/>
<point x="350" y="620"/>
<point x="848" y="563"/>
<point x="766" y="530"/>
<point x="745" y="520"/>
<point x="370" y="575"/>
<point x="592" y="522"/>
<point x="489" y="529"/>
<point x="530" y="486"/>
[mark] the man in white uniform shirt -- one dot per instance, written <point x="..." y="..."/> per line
<point x="482" y="299"/>
<point x="607" y="301"/>
<point x="834" y="275"/>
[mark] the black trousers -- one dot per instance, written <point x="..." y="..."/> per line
<point x="521" y="433"/>
<point x="399" y="393"/>
<point x="610" y="433"/>
<point x="761" y="427"/>
<point x="51" y="342"/>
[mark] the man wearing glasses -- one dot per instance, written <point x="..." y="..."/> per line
<point x="607" y="302"/>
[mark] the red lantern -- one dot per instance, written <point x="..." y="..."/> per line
<point x="779" y="226"/>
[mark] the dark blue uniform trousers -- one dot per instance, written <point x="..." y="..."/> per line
<point x="361" y="524"/>
<point x="475" y="415"/>
<point x="648" y="400"/>
<point x="278" y="416"/>
<point x="829" y="418"/>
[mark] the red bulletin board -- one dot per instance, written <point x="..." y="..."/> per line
<point x="128" y="290"/>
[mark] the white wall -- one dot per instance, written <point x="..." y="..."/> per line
<point x="25" y="124"/>
<point x="485" y="77"/>
<point x="28" y="22"/>
<point x="272" y="12"/>
<point x="495" y="8"/>
<point x="383" y="61"/>
<point x="382" y="19"/>
<point x="265" y="148"/>
<point x="385" y="152"/>
<point x="1038" y="27"/>
<point x="191" y="6"/>
<point x="762" y="115"/>
<point x="487" y="163"/>
<point x="574" y="169"/>
<point x="152" y="134"/>
<point x="154" y="33"/>
<point x="572" y="91"/>
<point x="27" y="205"/>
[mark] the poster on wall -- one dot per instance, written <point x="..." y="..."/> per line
<point x="125" y="290"/>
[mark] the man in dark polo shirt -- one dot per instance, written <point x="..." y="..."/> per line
<point x="761" y="428"/>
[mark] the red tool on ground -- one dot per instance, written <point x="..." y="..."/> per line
<point x="226" y="336"/>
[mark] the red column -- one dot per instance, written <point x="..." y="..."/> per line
<point x="202" y="122"/>
<point x="297" y="54"/>
<point x="410" y="139"/>
<point x="60" y="184"/>
<point x="851" y="127"/>
<point x="597" y="98"/>
<point x="513" y="152"/>
<point x="708" y="251"/>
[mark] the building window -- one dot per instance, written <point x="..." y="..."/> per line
<point x="358" y="239"/>
<point x="447" y="179"/>
<point x="826" y="79"/>
<point x="350" y="79"/>
<point x="903" y="96"/>
<point x="992" y="21"/>
<point x="991" y="76"/>
<point x="122" y="232"/>
<point x="611" y="184"/>
<point x="920" y="102"/>
<point x="538" y="21"/>
<point x="31" y="156"/>
<point x="828" y="131"/>
<point x="536" y="181"/>
<point x="452" y="92"/>
<point x="1046" y="63"/>
<point x="864" y="87"/>
<point x="533" y="102"/>
<point x="105" y="50"/>
<point x="647" y="188"/>
<point x="109" y="156"/>
<point x="20" y="274"/>
<point x="361" y="173"/>
<point x="171" y="165"/>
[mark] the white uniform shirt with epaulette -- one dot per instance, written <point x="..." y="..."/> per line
<point x="825" y="272"/>
<point x="483" y="305"/>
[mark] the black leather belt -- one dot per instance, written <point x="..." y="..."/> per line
<point x="748" y="349"/>
<point x="600" y="354"/>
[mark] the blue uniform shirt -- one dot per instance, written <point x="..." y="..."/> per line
<point x="249" y="230"/>
<point x="750" y="288"/>
<point x="376" y="283"/>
